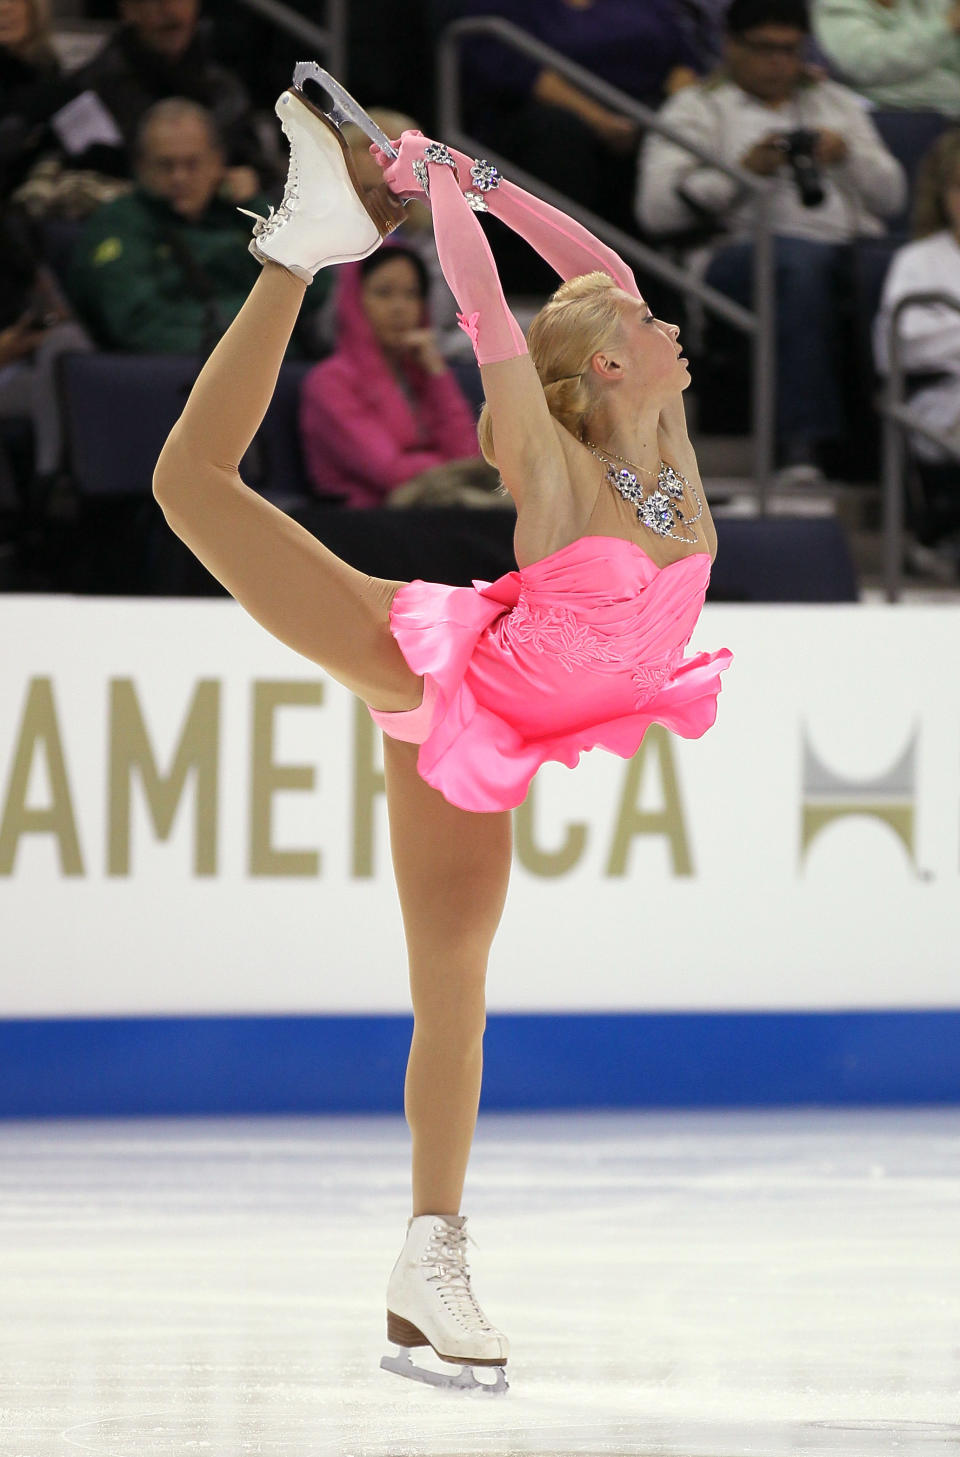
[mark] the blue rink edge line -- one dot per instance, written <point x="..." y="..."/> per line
<point x="60" y="1067"/>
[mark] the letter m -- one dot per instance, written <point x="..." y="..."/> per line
<point x="130" y="749"/>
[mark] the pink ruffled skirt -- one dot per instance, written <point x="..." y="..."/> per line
<point x="580" y="650"/>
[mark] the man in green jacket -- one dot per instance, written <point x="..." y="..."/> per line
<point x="165" y="269"/>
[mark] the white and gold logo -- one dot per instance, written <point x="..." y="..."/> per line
<point x="889" y="797"/>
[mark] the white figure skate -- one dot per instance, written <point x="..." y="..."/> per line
<point x="325" y="216"/>
<point x="430" y="1303"/>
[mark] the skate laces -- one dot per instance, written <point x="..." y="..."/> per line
<point x="448" y="1251"/>
<point x="264" y="226"/>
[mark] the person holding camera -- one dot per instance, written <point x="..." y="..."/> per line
<point x="831" y="180"/>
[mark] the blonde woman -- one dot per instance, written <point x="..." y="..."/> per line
<point x="476" y="687"/>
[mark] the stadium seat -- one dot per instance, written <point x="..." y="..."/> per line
<point x="782" y="559"/>
<point x="119" y="408"/>
<point x="279" y="473"/>
<point x="908" y="135"/>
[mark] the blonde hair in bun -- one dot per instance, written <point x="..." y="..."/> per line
<point x="581" y="318"/>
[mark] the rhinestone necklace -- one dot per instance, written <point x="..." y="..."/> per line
<point x="658" y="510"/>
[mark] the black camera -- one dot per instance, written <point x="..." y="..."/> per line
<point x="799" y="147"/>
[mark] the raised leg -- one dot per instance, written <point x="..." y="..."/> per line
<point x="298" y="590"/>
<point x="452" y="869"/>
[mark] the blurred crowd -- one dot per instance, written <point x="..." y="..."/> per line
<point x="128" y="181"/>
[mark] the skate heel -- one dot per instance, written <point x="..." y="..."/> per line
<point x="385" y="209"/>
<point x="400" y="1332"/>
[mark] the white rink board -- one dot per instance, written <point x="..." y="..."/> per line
<point x="713" y="905"/>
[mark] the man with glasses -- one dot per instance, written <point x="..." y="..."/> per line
<point x="831" y="179"/>
<point x="165" y="269"/>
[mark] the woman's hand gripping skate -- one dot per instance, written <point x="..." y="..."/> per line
<point x="406" y="174"/>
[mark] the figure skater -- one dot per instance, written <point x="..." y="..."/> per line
<point x="474" y="688"/>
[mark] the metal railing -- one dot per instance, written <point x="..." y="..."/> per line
<point x="331" y="38"/>
<point x="760" y="322"/>
<point x="898" y="422"/>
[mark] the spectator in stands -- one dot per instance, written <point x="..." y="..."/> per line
<point x="896" y="52"/>
<point x="754" y="114"/>
<point x="536" y="117"/>
<point x="37" y="325"/>
<point x="385" y="406"/>
<point x="161" y="49"/>
<point x="929" y="337"/>
<point x="165" y="269"/>
<point x="28" y="66"/>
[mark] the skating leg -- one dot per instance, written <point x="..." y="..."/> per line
<point x="452" y="869"/>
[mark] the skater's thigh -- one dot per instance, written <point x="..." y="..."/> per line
<point x="452" y="866"/>
<point x="295" y="587"/>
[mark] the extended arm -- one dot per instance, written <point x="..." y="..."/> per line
<point x="529" y="454"/>
<point x="566" y="245"/>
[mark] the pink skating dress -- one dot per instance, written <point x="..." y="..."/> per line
<point x="580" y="650"/>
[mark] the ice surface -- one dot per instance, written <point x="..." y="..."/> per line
<point x="691" y="1285"/>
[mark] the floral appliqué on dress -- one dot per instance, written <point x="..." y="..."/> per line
<point x="559" y="632"/>
<point x="649" y="678"/>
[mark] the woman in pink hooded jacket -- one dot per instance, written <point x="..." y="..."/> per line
<point x="385" y="405"/>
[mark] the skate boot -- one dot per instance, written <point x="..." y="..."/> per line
<point x="430" y="1303"/>
<point x="326" y="216"/>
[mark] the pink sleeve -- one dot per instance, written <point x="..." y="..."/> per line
<point x="566" y="245"/>
<point x="470" y="271"/>
<point x="338" y="440"/>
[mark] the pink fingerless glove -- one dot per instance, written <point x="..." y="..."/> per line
<point x="464" y="253"/>
<point x="398" y="171"/>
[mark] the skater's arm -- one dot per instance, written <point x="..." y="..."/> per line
<point x="529" y="454"/>
<point x="569" y="247"/>
<point x="566" y="245"/>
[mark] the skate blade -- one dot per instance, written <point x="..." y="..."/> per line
<point x="465" y="1380"/>
<point x="344" y="108"/>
